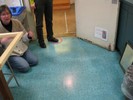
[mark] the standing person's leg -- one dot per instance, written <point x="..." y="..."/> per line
<point x="39" y="24"/>
<point x="48" y="18"/>
<point x="30" y="58"/>
<point x="48" y="10"/>
<point x="19" y="63"/>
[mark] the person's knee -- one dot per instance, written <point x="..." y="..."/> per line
<point x="34" y="62"/>
<point x="22" y="68"/>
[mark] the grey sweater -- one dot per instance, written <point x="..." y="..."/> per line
<point x="21" y="47"/>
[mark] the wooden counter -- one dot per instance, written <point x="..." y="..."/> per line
<point x="61" y="4"/>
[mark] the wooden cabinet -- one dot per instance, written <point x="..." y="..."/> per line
<point x="125" y="26"/>
<point x="5" y="93"/>
<point x="61" y="4"/>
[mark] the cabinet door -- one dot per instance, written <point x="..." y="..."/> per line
<point x="130" y="26"/>
<point x="61" y="4"/>
<point x="121" y="40"/>
<point x="125" y="29"/>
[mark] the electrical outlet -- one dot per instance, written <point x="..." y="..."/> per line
<point x="114" y="1"/>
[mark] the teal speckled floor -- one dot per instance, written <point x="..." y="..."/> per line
<point x="72" y="69"/>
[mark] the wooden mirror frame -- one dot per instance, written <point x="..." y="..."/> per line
<point x="4" y="89"/>
<point x="17" y="36"/>
<point x="127" y="57"/>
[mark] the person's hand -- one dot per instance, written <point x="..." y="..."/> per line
<point x="30" y="34"/>
<point x="5" y="40"/>
<point x="33" y="6"/>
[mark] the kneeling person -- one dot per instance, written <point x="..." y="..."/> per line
<point x="21" y="58"/>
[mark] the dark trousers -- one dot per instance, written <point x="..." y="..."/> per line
<point x="44" y="7"/>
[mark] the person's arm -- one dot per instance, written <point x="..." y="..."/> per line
<point x="27" y="35"/>
<point x="31" y="1"/>
<point x="5" y="41"/>
<point x="32" y="4"/>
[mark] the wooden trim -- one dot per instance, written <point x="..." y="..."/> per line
<point x="9" y="49"/>
<point x="63" y="35"/>
<point x="4" y="90"/>
<point x="61" y="4"/>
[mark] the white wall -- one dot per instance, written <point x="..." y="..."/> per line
<point x="91" y="14"/>
<point x="11" y="3"/>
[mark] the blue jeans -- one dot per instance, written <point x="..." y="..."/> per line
<point x="23" y="63"/>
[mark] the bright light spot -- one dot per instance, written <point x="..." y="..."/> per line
<point x="68" y="82"/>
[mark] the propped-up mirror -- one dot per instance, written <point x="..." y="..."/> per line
<point x="127" y="57"/>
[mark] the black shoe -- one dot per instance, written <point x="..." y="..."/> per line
<point x="53" y="39"/>
<point x="42" y="45"/>
<point x="126" y="98"/>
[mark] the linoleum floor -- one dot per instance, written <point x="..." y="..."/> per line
<point x="72" y="69"/>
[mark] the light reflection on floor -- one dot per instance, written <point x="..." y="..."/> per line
<point x="69" y="81"/>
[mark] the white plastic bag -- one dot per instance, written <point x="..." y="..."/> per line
<point x="127" y="85"/>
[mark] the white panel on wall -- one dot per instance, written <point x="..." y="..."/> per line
<point x="96" y="21"/>
<point x="11" y="3"/>
<point x="2" y="2"/>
